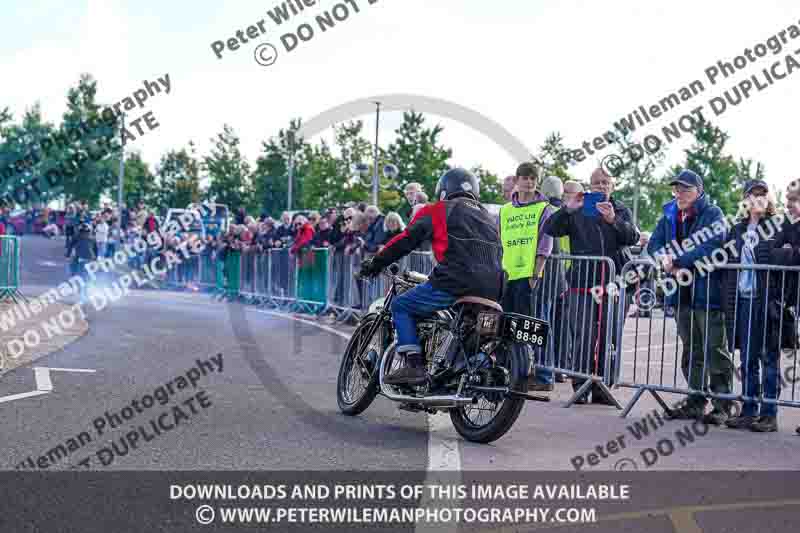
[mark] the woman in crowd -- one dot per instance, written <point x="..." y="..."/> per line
<point x="304" y="233"/>
<point x="392" y="226"/>
<point x="750" y="299"/>
<point x="322" y="237"/>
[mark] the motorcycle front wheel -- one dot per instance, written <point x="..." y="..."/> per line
<point x="357" y="384"/>
<point x="493" y="415"/>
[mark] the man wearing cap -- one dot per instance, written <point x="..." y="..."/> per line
<point x="690" y="231"/>
<point x="525" y="251"/>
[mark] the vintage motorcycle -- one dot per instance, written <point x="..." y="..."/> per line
<point x="475" y="354"/>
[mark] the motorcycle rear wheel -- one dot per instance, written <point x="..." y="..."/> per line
<point x="505" y="414"/>
<point x="355" y="388"/>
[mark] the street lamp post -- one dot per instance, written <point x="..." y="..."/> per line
<point x="375" y="179"/>
<point x="121" y="165"/>
<point x="291" y="169"/>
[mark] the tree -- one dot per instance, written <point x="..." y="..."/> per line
<point x="228" y="171"/>
<point x="491" y="187"/>
<point x="636" y="184"/>
<point x="418" y="153"/>
<point x="92" y="177"/>
<point x="272" y="170"/>
<point x="549" y="157"/>
<point x="720" y="173"/>
<point x="178" y="183"/>
<point x="139" y="182"/>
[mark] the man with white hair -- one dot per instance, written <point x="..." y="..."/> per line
<point x="376" y="235"/>
<point x="411" y="196"/>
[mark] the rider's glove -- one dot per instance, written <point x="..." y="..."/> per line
<point x="368" y="268"/>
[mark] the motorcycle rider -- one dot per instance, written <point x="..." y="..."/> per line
<point x="466" y="245"/>
<point x="82" y="250"/>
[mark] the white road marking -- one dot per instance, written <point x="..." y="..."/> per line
<point x="20" y="396"/>
<point x="44" y="384"/>
<point x="42" y="376"/>
<point x="443" y="452"/>
<point x="48" y="263"/>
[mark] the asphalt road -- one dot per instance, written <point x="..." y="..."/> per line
<point x="272" y="410"/>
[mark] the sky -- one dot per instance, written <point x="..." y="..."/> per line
<point x="532" y="66"/>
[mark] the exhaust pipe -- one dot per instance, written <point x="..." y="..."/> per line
<point x="446" y="401"/>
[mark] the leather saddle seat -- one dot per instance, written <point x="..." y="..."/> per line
<point x="475" y="300"/>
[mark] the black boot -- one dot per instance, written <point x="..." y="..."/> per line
<point x="413" y="373"/>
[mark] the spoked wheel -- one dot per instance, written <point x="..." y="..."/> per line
<point x="357" y="384"/>
<point x="493" y="415"/>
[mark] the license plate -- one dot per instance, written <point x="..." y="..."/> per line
<point x="527" y="330"/>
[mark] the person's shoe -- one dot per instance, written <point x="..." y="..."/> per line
<point x="715" y="417"/>
<point x="560" y="378"/>
<point x="740" y="422"/>
<point x="765" y="424"/>
<point x="413" y="373"/>
<point x="684" y="411"/>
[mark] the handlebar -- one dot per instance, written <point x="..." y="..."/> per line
<point x="392" y="271"/>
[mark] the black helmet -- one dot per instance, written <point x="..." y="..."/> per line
<point x="457" y="182"/>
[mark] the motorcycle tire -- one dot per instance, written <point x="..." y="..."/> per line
<point x="516" y="361"/>
<point x="355" y="406"/>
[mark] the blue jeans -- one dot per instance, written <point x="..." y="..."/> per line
<point x="520" y="298"/>
<point x="751" y="341"/>
<point x="420" y="302"/>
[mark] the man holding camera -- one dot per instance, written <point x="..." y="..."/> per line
<point x="604" y="231"/>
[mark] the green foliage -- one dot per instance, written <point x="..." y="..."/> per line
<point x="637" y="186"/>
<point x="270" y="177"/>
<point x="548" y="157"/>
<point x="138" y="182"/>
<point x="720" y="173"/>
<point x="491" y="186"/>
<point x="418" y="153"/>
<point x="228" y="171"/>
<point x="92" y="178"/>
<point x="178" y="183"/>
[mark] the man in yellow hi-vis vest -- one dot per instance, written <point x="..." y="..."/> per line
<point x="525" y="252"/>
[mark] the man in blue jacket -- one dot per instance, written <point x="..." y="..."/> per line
<point x="691" y="229"/>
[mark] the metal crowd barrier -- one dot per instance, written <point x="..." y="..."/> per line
<point x="315" y="281"/>
<point x="9" y="269"/>
<point x="671" y="348"/>
<point x="582" y="325"/>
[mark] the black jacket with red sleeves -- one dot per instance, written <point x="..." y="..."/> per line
<point x="466" y="245"/>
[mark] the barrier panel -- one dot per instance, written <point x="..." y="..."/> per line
<point x="312" y="280"/>
<point x="582" y="324"/>
<point x="9" y="269"/>
<point x="685" y="342"/>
